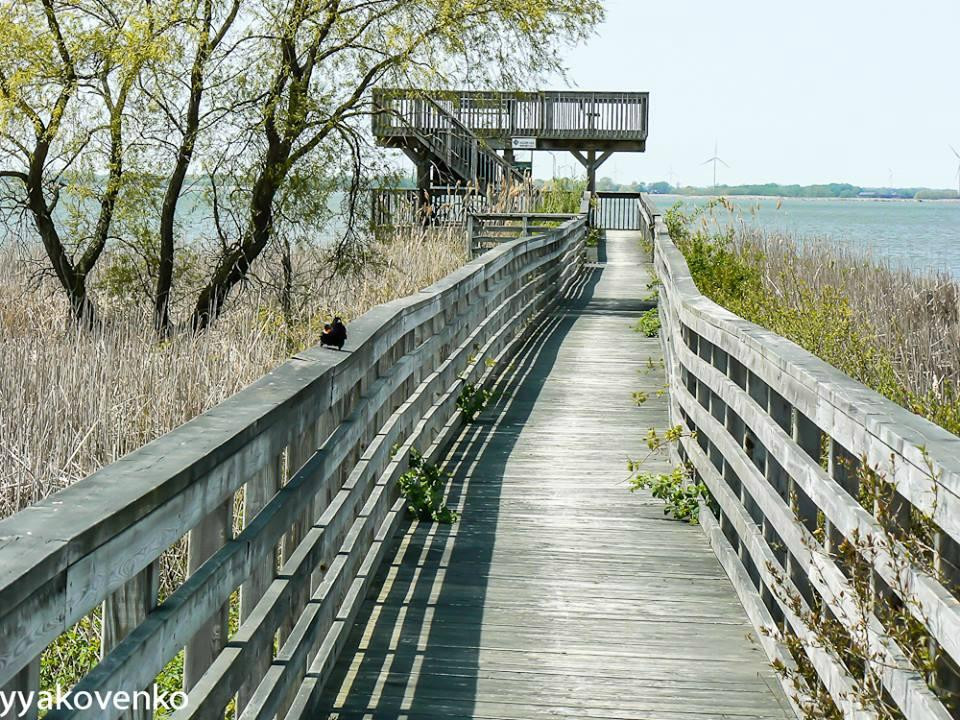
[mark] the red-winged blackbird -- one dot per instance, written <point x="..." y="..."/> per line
<point x="334" y="334"/>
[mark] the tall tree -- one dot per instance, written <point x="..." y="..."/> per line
<point x="67" y="69"/>
<point x="122" y="103"/>
<point x="209" y="33"/>
<point x="326" y="56"/>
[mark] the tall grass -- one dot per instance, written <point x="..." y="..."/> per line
<point x="893" y="329"/>
<point x="561" y="195"/>
<point x="72" y="402"/>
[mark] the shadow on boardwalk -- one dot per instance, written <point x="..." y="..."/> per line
<point x="559" y="593"/>
<point x="423" y="631"/>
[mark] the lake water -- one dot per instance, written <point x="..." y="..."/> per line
<point x="919" y="235"/>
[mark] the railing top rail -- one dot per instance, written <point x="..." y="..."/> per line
<point x="519" y="215"/>
<point x="518" y="94"/>
<point x="39" y="543"/>
<point x="825" y="394"/>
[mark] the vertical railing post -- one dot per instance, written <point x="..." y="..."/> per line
<point x="257" y="494"/>
<point x="126" y="608"/>
<point x="205" y="539"/>
<point x="469" y="234"/>
<point x="26" y="681"/>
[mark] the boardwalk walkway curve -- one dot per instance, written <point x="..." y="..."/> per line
<point x="558" y="593"/>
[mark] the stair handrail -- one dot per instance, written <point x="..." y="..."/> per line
<point x="471" y="167"/>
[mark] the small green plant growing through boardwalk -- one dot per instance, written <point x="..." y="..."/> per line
<point x="422" y="486"/>
<point x="648" y="324"/>
<point x="472" y="401"/>
<point x="681" y="495"/>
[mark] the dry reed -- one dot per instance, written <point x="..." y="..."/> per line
<point x="72" y="402"/>
<point x="912" y="317"/>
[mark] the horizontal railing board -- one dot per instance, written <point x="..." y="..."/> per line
<point x="323" y="664"/>
<point x="854" y="418"/>
<point x="859" y="418"/>
<point x="326" y="535"/>
<point x="837" y="680"/>
<point x="933" y="602"/>
<point x="293" y="395"/>
<point x="277" y="683"/>
<point x="756" y="611"/>
<point x="906" y="688"/>
<point x="181" y="615"/>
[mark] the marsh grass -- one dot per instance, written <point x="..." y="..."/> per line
<point x="72" y="402"/>
<point x="893" y="329"/>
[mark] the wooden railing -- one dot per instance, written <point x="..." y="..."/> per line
<point x="543" y="114"/>
<point x="445" y="136"/>
<point x="487" y="230"/>
<point x="780" y="438"/>
<point x="400" y="207"/>
<point x="616" y="210"/>
<point x="312" y="453"/>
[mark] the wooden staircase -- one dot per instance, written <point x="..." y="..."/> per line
<point x="447" y="153"/>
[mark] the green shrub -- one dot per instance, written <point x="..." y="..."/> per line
<point x="472" y="400"/>
<point x="649" y="323"/>
<point x="680" y="494"/>
<point x="422" y="486"/>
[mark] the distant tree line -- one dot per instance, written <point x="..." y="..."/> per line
<point x="828" y="190"/>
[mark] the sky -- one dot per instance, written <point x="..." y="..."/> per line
<point x="791" y="92"/>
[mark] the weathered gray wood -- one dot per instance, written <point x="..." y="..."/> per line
<point x="123" y="611"/>
<point x="26" y="681"/>
<point x="834" y="675"/>
<point x="828" y="411"/>
<point x="928" y="599"/>
<point x="257" y="493"/>
<point x="555" y="574"/>
<point x="486" y="304"/>
<point x="205" y="540"/>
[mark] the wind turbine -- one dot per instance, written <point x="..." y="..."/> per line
<point x="958" y="169"/>
<point x="716" y="159"/>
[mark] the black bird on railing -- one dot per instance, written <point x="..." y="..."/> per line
<point x="334" y="334"/>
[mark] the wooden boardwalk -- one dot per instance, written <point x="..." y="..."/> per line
<point x="559" y="593"/>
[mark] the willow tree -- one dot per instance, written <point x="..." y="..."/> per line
<point x="261" y="98"/>
<point x="67" y="73"/>
<point x="314" y="76"/>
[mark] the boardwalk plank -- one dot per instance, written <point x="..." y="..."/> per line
<point x="559" y="593"/>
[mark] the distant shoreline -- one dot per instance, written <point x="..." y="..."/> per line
<point x="807" y="197"/>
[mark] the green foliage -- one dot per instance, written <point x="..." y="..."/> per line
<point x="73" y="654"/>
<point x="170" y="680"/>
<point x="648" y="324"/>
<point x="561" y="195"/>
<point x="79" y="93"/>
<point x="681" y="496"/>
<point x="593" y="238"/>
<point x="472" y="400"/>
<point x="422" y="486"/>
<point x="905" y="542"/>
<point x="817" y="316"/>
<point x="640" y="397"/>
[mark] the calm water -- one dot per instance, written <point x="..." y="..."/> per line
<point x="919" y="235"/>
